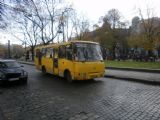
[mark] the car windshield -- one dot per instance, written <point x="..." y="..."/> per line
<point x="88" y="52"/>
<point x="10" y="64"/>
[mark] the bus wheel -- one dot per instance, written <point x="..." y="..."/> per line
<point x="43" y="70"/>
<point x="68" y="76"/>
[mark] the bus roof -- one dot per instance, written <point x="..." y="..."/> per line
<point x="74" y="41"/>
<point x="65" y="43"/>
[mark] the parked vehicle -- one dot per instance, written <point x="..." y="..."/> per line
<point x="10" y="70"/>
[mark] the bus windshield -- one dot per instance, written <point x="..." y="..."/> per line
<point x="88" y="52"/>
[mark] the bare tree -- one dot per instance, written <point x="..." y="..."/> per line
<point x="113" y="16"/>
<point x="148" y="25"/>
<point x="27" y="35"/>
<point x="66" y="26"/>
<point x="41" y="22"/>
<point x="149" y="29"/>
<point x="81" y="26"/>
<point x="113" y="25"/>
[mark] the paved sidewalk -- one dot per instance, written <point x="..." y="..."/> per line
<point x="28" y="63"/>
<point x="134" y="75"/>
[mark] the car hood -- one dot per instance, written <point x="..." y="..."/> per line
<point x="12" y="70"/>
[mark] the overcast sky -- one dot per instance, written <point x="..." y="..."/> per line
<point x="94" y="9"/>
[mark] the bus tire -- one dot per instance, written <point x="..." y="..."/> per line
<point x="68" y="76"/>
<point x="43" y="70"/>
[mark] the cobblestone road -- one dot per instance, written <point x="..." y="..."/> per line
<point x="52" y="98"/>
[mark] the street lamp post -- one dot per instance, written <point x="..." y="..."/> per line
<point x="9" y="53"/>
<point x="25" y="46"/>
<point x="63" y="22"/>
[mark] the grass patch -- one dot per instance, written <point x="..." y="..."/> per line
<point x="133" y="64"/>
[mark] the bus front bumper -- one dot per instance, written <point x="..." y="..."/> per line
<point x="87" y="76"/>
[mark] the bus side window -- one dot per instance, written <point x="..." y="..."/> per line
<point x="49" y="53"/>
<point x="43" y="51"/>
<point x="69" y="52"/>
<point x="75" y="57"/>
<point x="62" y="52"/>
<point x="37" y="53"/>
<point x="55" y="53"/>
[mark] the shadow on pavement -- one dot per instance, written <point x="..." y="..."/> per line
<point x="58" y="79"/>
<point x="11" y="84"/>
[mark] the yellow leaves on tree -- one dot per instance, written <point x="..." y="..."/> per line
<point x="141" y="41"/>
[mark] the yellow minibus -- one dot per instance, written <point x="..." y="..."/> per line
<point x="73" y="60"/>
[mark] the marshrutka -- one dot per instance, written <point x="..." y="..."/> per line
<point x="73" y="60"/>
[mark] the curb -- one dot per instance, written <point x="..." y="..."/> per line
<point x="133" y="79"/>
<point x="135" y="69"/>
<point x="28" y="63"/>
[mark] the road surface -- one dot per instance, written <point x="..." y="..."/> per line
<point x="47" y="97"/>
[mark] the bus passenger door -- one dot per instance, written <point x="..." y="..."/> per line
<point x="38" y="60"/>
<point x="55" y="61"/>
<point x="39" y="56"/>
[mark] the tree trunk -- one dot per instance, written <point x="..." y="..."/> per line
<point x="32" y="51"/>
